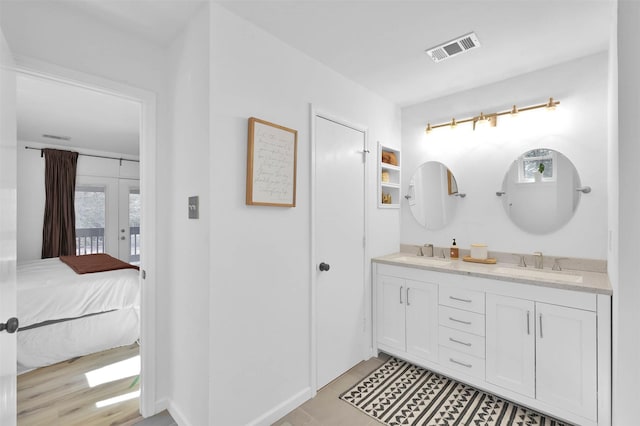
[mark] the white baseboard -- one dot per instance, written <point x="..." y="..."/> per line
<point x="281" y="410"/>
<point x="177" y="414"/>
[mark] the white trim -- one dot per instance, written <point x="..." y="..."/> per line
<point x="604" y="360"/>
<point x="366" y="350"/>
<point x="281" y="410"/>
<point x="177" y="414"/>
<point x="147" y="99"/>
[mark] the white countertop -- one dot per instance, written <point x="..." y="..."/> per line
<point x="586" y="281"/>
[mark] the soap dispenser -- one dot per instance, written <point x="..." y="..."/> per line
<point x="453" y="253"/>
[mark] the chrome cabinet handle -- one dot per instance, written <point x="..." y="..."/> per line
<point x="451" y="339"/>
<point x="541" y="336"/>
<point x="460" y="321"/>
<point x="408" y="288"/>
<point x="460" y="300"/>
<point x="460" y="363"/>
<point x="528" y="326"/>
<point x="401" y="294"/>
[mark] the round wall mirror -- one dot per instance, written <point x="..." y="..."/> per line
<point x="432" y="195"/>
<point x="540" y="191"/>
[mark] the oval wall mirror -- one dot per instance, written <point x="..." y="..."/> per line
<point x="432" y="195"/>
<point x="541" y="191"/>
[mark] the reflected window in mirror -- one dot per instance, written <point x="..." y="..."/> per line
<point x="536" y="202"/>
<point x="537" y="165"/>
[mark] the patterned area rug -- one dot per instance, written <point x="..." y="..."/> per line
<point x="399" y="393"/>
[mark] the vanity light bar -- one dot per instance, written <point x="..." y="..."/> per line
<point x="492" y="119"/>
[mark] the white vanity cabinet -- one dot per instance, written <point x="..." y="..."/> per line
<point x="547" y="347"/>
<point x="544" y="351"/>
<point x="407" y="316"/>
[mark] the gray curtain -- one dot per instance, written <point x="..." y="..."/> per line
<point x="59" y="229"/>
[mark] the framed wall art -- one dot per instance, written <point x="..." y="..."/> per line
<point x="271" y="164"/>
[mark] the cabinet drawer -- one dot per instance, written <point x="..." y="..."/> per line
<point x="461" y="320"/>
<point x="461" y="298"/>
<point x="462" y="342"/>
<point x="466" y="363"/>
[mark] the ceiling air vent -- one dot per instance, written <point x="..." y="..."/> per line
<point x="60" y="138"/>
<point x="454" y="47"/>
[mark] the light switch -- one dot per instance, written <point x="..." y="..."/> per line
<point x="194" y="209"/>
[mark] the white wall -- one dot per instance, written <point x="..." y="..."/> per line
<point x="260" y="256"/>
<point x="624" y="267"/>
<point x="188" y="239"/>
<point x="479" y="160"/>
<point x="31" y="191"/>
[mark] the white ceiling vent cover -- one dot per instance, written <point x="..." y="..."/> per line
<point x="454" y="47"/>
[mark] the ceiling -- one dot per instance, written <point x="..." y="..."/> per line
<point x="379" y="44"/>
<point x="93" y="120"/>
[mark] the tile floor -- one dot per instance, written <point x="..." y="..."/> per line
<point x="160" y="419"/>
<point x="326" y="409"/>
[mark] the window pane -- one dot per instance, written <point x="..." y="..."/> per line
<point x="134" y="224"/>
<point x="90" y="205"/>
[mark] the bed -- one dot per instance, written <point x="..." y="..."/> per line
<point x="64" y="314"/>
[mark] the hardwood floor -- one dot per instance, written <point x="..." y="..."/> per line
<point x="74" y="392"/>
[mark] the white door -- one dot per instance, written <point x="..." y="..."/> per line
<point x="129" y="221"/>
<point x="8" y="248"/>
<point x="390" y="313"/>
<point x="339" y="238"/>
<point x="566" y="359"/>
<point x="421" y="300"/>
<point x="510" y="343"/>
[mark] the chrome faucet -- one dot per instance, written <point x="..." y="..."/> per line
<point x="428" y="250"/>
<point x="556" y="263"/>
<point x="521" y="263"/>
<point x="538" y="260"/>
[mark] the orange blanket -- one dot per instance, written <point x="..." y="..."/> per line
<point x="89" y="263"/>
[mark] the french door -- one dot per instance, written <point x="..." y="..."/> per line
<point x="108" y="217"/>
<point x="129" y="220"/>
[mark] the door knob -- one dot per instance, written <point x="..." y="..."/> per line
<point x="324" y="266"/>
<point x="11" y="325"/>
<point x="123" y="238"/>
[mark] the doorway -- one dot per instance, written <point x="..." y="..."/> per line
<point x="338" y="239"/>
<point x="144" y="191"/>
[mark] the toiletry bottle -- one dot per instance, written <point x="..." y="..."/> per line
<point x="453" y="253"/>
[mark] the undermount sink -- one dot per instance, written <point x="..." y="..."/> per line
<point x="420" y="260"/>
<point x="541" y="274"/>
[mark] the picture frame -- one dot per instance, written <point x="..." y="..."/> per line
<point x="452" y="185"/>
<point x="271" y="164"/>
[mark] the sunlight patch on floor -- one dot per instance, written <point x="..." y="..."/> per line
<point x="117" y="399"/>
<point x="116" y="371"/>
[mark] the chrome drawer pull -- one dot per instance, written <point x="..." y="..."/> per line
<point x="401" y="294"/>
<point x="460" y="363"/>
<point x="458" y="341"/>
<point x="528" y="327"/>
<point x="460" y="321"/>
<point x="460" y="300"/>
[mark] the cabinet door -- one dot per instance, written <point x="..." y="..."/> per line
<point x="422" y="319"/>
<point x="510" y="343"/>
<point x="390" y="311"/>
<point x="566" y="359"/>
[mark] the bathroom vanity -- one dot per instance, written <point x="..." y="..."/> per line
<point x="539" y="338"/>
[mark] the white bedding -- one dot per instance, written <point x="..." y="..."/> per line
<point x="42" y="346"/>
<point x="49" y="290"/>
